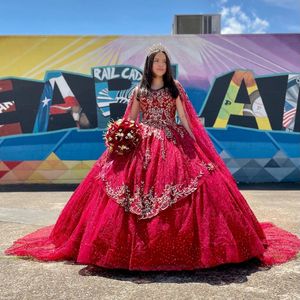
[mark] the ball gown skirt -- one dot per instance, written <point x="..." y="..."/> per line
<point x="161" y="207"/>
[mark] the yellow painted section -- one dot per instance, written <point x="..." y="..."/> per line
<point x="263" y="123"/>
<point x="220" y="123"/>
<point x="33" y="56"/>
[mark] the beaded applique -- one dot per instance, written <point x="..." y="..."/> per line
<point x="159" y="109"/>
<point x="149" y="205"/>
<point x="147" y="158"/>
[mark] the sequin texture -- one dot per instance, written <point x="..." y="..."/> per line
<point x="137" y="182"/>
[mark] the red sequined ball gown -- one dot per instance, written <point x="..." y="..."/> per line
<point x="164" y="206"/>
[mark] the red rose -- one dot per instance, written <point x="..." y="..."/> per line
<point x="122" y="136"/>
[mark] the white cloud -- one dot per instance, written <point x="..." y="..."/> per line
<point x="260" y="25"/>
<point x="234" y="20"/>
<point x="233" y="26"/>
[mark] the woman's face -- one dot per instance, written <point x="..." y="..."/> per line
<point x="159" y="66"/>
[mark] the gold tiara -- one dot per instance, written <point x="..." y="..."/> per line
<point x="157" y="48"/>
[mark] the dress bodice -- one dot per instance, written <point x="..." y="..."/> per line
<point x="158" y="108"/>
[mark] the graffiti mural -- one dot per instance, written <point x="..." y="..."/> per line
<point x="55" y="107"/>
<point x="243" y="87"/>
<point x="113" y="85"/>
<point x="291" y="103"/>
<point x="65" y="111"/>
<point x="263" y="103"/>
<point x="19" y="100"/>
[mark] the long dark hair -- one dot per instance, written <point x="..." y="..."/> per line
<point x="145" y="84"/>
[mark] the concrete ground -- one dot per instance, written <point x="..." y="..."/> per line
<point x="25" y="211"/>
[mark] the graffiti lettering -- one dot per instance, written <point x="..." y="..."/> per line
<point x="105" y="73"/>
<point x="255" y="108"/>
<point x="66" y="101"/>
<point x="268" y="103"/>
<point x="131" y="74"/>
<point x="109" y="73"/>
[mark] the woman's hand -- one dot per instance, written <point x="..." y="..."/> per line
<point x="135" y="109"/>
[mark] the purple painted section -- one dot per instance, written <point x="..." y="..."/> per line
<point x="201" y="58"/>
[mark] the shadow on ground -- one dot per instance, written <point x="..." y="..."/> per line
<point x="221" y="275"/>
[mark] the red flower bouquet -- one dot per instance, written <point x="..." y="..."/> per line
<point x="122" y="136"/>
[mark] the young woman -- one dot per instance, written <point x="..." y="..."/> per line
<point x="170" y="204"/>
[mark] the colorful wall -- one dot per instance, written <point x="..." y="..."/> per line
<point x="57" y="94"/>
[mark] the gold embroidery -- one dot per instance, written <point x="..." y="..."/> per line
<point x="155" y="128"/>
<point x="150" y="130"/>
<point x="209" y="166"/>
<point x="147" y="158"/>
<point x="149" y="204"/>
<point x="158" y="108"/>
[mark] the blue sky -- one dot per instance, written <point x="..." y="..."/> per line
<point x="137" y="17"/>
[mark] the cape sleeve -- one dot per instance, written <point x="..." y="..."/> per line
<point x="131" y="99"/>
<point x="202" y="137"/>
